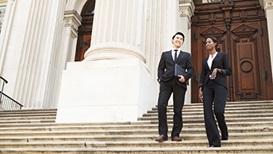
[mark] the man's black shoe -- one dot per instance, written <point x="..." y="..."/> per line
<point x="161" y="138"/>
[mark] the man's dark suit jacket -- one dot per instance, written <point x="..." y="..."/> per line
<point x="166" y="66"/>
<point x="221" y="61"/>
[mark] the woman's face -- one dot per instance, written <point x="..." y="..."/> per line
<point x="210" y="44"/>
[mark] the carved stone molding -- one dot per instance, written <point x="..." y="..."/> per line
<point x="73" y="20"/>
<point x="186" y="9"/>
<point x="268" y="4"/>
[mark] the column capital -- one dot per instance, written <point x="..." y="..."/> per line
<point x="186" y="9"/>
<point x="267" y="4"/>
<point x="73" y="20"/>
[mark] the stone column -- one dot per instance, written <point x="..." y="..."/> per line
<point x="268" y="7"/>
<point x="161" y="23"/>
<point x="30" y="45"/>
<point x="113" y="82"/>
<point x="5" y="32"/>
<point x="117" y="30"/>
<point x="66" y="52"/>
<point x="186" y="8"/>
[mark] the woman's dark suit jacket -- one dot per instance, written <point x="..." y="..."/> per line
<point x="221" y="61"/>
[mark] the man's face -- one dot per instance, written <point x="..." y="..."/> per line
<point x="178" y="41"/>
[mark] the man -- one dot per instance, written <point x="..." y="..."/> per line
<point x="173" y="84"/>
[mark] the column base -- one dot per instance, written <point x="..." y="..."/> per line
<point x="106" y="91"/>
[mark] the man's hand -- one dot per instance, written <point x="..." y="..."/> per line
<point x="181" y="78"/>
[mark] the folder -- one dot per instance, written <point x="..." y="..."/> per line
<point x="179" y="70"/>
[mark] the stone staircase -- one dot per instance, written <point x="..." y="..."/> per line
<point x="35" y="131"/>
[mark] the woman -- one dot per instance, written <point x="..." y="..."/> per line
<point x="213" y="89"/>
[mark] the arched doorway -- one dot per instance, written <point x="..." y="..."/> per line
<point x="85" y="30"/>
<point x="241" y="29"/>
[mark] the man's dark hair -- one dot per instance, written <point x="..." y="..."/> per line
<point x="179" y="33"/>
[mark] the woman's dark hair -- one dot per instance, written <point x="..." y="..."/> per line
<point x="214" y="39"/>
<point x="179" y="33"/>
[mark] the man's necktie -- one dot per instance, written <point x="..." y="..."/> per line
<point x="175" y="54"/>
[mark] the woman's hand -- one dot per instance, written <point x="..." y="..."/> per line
<point x="213" y="74"/>
<point x="201" y="94"/>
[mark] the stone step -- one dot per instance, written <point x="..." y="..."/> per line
<point x="136" y="123"/>
<point x="150" y="117"/>
<point x="27" y="115"/>
<point x="201" y="120"/>
<point x="50" y="137"/>
<point x="153" y="119"/>
<point x="118" y="131"/>
<point x="27" y="121"/>
<point x="141" y="150"/>
<point x="124" y="125"/>
<point x="41" y="117"/>
<point x="229" y="104"/>
<point x="131" y="144"/>
<point x="27" y="111"/>
<point x="230" y="112"/>
<point x="194" y="110"/>
<point x="175" y="150"/>
<point x="227" y="115"/>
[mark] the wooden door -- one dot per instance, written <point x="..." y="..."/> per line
<point x="240" y="27"/>
<point x="85" y="30"/>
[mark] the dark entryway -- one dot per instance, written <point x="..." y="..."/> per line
<point x="85" y="30"/>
